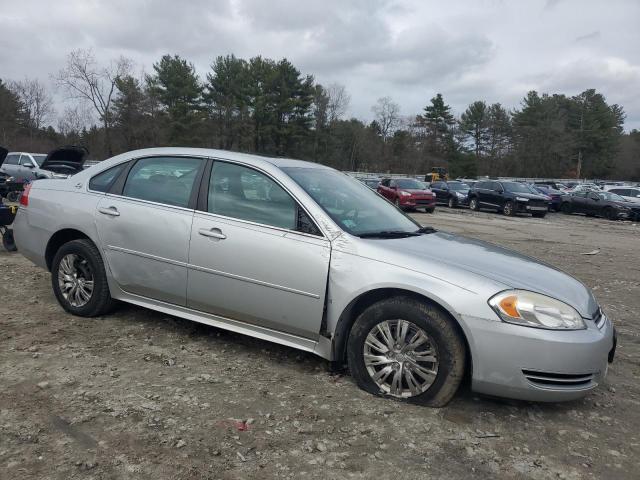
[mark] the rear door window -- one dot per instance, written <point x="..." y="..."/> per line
<point x="168" y="180"/>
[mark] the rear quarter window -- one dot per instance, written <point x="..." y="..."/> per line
<point x="103" y="181"/>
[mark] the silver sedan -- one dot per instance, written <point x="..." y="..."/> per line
<point x="305" y="256"/>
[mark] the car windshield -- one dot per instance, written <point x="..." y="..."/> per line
<point x="352" y="205"/>
<point x="458" y="186"/>
<point x="410" y="184"/>
<point x="611" y="196"/>
<point x="515" y="187"/>
<point x="39" y="159"/>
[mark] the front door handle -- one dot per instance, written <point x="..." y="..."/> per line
<point x="111" y="211"/>
<point x="212" y="233"/>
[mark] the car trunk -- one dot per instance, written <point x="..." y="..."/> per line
<point x="66" y="160"/>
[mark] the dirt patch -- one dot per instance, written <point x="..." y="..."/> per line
<point x="138" y="394"/>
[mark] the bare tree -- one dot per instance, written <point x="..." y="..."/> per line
<point x="85" y="80"/>
<point x="35" y="100"/>
<point x="73" y="121"/>
<point x="387" y="114"/>
<point x="338" y="103"/>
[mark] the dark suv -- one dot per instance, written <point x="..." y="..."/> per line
<point x="452" y="193"/>
<point x="508" y="197"/>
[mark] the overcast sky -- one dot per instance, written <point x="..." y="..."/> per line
<point x="406" y="49"/>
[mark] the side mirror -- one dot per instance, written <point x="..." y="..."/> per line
<point x="28" y="164"/>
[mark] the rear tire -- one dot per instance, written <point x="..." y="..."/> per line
<point x="83" y="257"/>
<point x="443" y="345"/>
<point x="566" y="208"/>
<point x="473" y="204"/>
<point x="8" y="241"/>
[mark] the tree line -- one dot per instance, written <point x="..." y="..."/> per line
<point x="269" y="107"/>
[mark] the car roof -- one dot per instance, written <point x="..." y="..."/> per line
<point x="225" y="155"/>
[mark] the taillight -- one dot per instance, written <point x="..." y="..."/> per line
<point x="24" y="198"/>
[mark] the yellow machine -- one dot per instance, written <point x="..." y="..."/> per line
<point x="437" y="173"/>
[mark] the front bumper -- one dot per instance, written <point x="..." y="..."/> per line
<point x="526" y="207"/>
<point x="411" y="202"/>
<point x="539" y="365"/>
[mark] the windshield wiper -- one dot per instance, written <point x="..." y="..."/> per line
<point x="389" y="234"/>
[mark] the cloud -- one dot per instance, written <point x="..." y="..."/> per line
<point x="589" y="36"/>
<point x="406" y="49"/>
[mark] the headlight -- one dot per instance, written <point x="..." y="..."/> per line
<point x="460" y="195"/>
<point x="405" y="194"/>
<point x="522" y="199"/>
<point x="530" y="309"/>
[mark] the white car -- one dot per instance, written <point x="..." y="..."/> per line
<point x="585" y="187"/>
<point x="631" y="194"/>
<point x="59" y="163"/>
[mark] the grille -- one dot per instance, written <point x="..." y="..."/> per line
<point x="558" y="380"/>
<point x="424" y="201"/>
<point x="537" y="203"/>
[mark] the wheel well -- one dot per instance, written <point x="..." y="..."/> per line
<point x="359" y="304"/>
<point x="58" y="239"/>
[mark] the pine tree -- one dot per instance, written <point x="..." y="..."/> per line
<point x="177" y="88"/>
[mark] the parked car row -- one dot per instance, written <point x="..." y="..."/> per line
<point x="511" y="197"/>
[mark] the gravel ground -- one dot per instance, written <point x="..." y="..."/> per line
<point x="138" y="394"/>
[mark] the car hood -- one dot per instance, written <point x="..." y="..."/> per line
<point x="66" y="160"/>
<point x="415" y="191"/>
<point x="532" y="196"/>
<point x="462" y="192"/>
<point x="3" y="154"/>
<point x="428" y="253"/>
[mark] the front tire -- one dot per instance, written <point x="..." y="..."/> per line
<point x="610" y="213"/>
<point x="509" y="209"/>
<point x="566" y="208"/>
<point x="539" y="214"/>
<point x="408" y="350"/>
<point x="473" y="204"/>
<point x="452" y="203"/>
<point x="79" y="279"/>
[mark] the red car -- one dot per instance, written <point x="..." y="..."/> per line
<point x="407" y="193"/>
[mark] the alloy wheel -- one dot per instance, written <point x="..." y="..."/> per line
<point x="75" y="280"/>
<point x="452" y="204"/>
<point x="400" y="358"/>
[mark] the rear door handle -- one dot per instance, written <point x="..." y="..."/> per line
<point x="111" y="211"/>
<point x="212" y="233"/>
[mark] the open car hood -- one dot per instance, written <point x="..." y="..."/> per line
<point x="3" y="154"/>
<point x="67" y="160"/>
